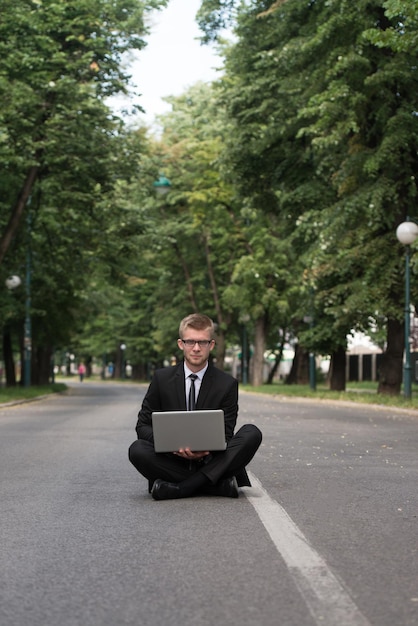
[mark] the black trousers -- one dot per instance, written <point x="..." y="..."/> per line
<point x="218" y="465"/>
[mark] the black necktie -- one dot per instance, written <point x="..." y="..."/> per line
<point x="192" y="393"/>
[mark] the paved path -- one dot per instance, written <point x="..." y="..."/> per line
<point x="326" y="535"/>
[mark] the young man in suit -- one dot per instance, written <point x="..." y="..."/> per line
<point x="186" y="473"/>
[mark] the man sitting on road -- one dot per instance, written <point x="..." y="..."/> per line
<point x="185" y="472"/>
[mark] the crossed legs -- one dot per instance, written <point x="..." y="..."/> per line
<point x="200" y="477"/>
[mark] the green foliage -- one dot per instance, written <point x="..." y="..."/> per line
<point x="324" y="120"/>
<point x="402" y="34"/>
<point x="289" y="176"/>
<point x="198" y="231"/>
<point x="215" y="15"/>
<point x="58" y="63"/>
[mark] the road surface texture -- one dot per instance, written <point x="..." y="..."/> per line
<point x="327" y="535"/>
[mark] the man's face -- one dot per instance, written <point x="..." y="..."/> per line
<point x="196" y="355"/>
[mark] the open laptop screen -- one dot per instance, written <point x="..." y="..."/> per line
<point x="197" y="430"/>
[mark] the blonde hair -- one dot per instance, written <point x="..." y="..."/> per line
<point x="198" y="322"/>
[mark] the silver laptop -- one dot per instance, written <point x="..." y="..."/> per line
<point x="197" y="430"/>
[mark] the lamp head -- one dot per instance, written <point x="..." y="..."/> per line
<point x="407" y="232"/>
<point x="12" y="282"/>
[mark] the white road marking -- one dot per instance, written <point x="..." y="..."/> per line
<point x="328" y="601"/>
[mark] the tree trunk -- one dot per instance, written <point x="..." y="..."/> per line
<point x="303" y="367"/>
<point x="9" y="364"/>
<point x="299" y="372"/>
<point x="139" y="371"/>
<point x="220" y="349"/>
<point x="337" y="370"/>
<point x="222" y="319"/>
<point x="277" y="362"/>
<point x="259" y="348"/>
<point x="41" y="365"/>
<point x="17" y="211"/>
<point x="291" y="378"/>
<point x="119" y="369"/>
<point x="390" y="373"/>
<point x="272" y="372"/>
<point x="188" y="279"/>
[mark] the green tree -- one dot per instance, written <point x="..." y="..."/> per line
<point x="188" y="240"/>
<point x="196" y="231"/>
<point x="61" y="146"/>
<point x="59" y="60"/>
<point x="363" y="118"/>
<point x="271" y="167"/>
<point x="325" y="123"/>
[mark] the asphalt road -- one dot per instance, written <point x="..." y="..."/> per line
<point x="326" y="535"/>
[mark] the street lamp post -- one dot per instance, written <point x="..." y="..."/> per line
<point x="406" y="233"/>
<point x="122" y="364"/>
<point x="27" y="330"/>
<point x="12" y="283"/>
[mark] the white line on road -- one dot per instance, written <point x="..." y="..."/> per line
<point x="327" y="600"/>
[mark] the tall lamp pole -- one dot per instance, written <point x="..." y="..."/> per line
<point x="406" y="233"/>
<point x="122" y="358"/>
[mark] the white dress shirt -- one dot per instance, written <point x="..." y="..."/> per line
<point x="197" y="382"/>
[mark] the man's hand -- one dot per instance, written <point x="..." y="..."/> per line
<point x="186" y="453"/>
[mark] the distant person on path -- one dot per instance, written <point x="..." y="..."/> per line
<point x="81" y="371"/>
<point x="185" y="473"/>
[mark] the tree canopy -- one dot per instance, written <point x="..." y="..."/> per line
<point x="62" y="149"/>
<point x="289" y="176"/>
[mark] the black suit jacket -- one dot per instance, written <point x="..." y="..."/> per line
<point x="166" y="392"/>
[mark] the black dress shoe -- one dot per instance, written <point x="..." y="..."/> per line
<point x="161" y="490"/>
<point x="228" y="488"/>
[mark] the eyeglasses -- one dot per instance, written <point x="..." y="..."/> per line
<point x="190" y="343"/>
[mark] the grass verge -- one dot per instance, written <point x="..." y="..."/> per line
<point x="364" y="393"/>
<point x="12" y="394"/>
